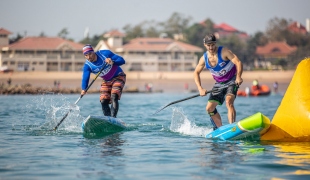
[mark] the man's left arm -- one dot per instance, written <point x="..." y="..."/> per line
<point x="117" y="59"/>
<point x="234" y="59"/>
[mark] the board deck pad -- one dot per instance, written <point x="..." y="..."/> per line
<point x="98" y="125"/>
<point x="250" y="127"/>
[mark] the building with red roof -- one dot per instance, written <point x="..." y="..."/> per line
<point x="297" y="27"/>
<point x="273" y="51"/>
<point x="58" y="54"/>
<point x="4" y="37"/>
<point x="43" y="54"/>
<point x="225" y="27"/>
<point x="225" y="30"/>
<point x="152" y="54"/>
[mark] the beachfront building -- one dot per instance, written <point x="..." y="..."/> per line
<point x="270" y="55"/>
<point x="152" y="54"/>
<point x="297" y="27"/>
<point x="225" y="30"/>
<point x="58" y="54"/>
<point x="4" y="43"/>
<point x="43" y="54"/>
<point x="4" y="38"/>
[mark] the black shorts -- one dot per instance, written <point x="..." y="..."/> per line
<point x="219" y="96"/>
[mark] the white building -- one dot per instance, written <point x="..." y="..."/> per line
<point x="57" y="54"/>
<point x="152" y="54"/>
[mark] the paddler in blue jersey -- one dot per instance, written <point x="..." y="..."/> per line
<point x="114" y="78"/>
<point x="226" y="69"/>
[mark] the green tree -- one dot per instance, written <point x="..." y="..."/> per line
<point x="93" y="41"/>
<point x="277" y="29"/>
<point x="63" y="33"/>
<point x="151" y="29"/>
<point x="176" y="24"/>
<point x="15" y="39"/>
<point x="234" y="43"/>
<point x="133" y="32"/>
<point x="143" y="29"/>
<point x="301" y="53"/>
<point x="259" y="39"/>
<point x="42" y="34"/>
<point x="198" y="31"/>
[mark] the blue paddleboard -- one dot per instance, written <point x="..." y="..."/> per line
<point x="250" y="127"/>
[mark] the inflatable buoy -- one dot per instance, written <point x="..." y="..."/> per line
<point x="291" y="121"/>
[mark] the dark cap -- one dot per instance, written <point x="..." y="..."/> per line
<point x="210" y="38"/>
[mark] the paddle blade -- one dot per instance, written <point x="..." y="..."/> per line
<point x="174" y="102"/>
<point x="160" y="109"/>
<point x="55" y="128"/>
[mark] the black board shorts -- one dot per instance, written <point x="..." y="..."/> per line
<point x="219" y="96"/>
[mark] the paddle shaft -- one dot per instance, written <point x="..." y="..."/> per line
<point x="55" y="128"/>
<point x="191" y="97"/>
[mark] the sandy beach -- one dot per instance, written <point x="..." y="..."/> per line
<point x="164" y="81"/>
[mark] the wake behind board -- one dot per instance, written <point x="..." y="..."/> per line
<point x="98" y="125"/>
<point x="249" y="127"/>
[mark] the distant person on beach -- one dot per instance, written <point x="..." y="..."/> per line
<point x="58" y="84"/>
<point x="114" y="78"/>
<point x="275" y="86"/>
<point x="9" y="81"/>
<point x="226" y="69"/>
<point x="186" y="86"/>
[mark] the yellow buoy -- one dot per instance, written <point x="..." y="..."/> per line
<point x="291" y="121"/>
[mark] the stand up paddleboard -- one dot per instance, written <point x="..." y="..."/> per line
<point x="251" y="127"/>
<point x="98" y="125"/>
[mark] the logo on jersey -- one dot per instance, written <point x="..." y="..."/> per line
<point x="222" y="64"/>
<point x="106" y="70"/>
<point x="222" y="72"/>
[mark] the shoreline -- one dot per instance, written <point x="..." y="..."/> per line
<point x="161" y="81"/>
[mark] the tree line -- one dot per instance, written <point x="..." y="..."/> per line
<point x="193" y="33"/>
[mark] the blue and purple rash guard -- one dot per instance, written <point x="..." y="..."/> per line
<point x="108" y="73"/>
<point x="224" y="70"/>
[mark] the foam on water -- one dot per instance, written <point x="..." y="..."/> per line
<point x="180" y="123"/>
<point x="51" y="108"/>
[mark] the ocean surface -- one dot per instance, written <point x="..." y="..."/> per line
<point x="167" y="145"/>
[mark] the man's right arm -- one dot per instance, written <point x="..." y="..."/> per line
<point x="85" y="78"/>
<point x="200" y="66"/>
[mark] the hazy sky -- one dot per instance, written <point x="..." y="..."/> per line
<point x="50" y="17"/>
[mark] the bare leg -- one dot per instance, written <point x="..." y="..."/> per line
<point x="231" y="114"/>
<point x="210" y="108"/>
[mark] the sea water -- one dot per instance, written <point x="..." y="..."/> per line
<point x="168" y="145"/>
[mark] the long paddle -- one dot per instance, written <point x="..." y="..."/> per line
<point x="174" y="102"/>
<point x="55" y="128"/>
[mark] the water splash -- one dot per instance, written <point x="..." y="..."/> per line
<point x="50" y="109"/>
<point x="181" y="124"/>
